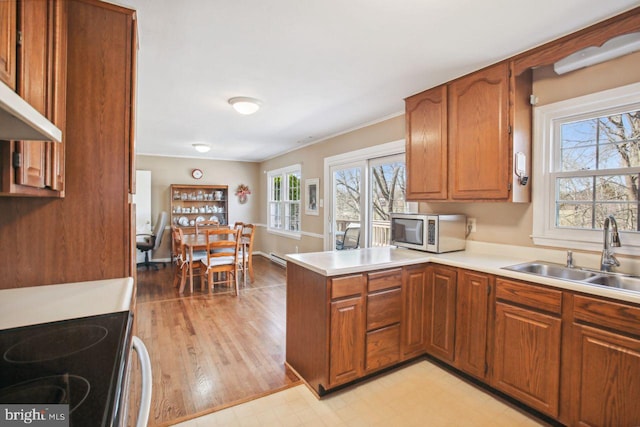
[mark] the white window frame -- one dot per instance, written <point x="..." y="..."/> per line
<point x="283" y="172"/>
<point x="544" y="192"/>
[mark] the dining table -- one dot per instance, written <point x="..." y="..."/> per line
<point x="198" y="242"/>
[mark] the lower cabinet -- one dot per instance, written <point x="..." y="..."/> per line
<point x="472" y="322"/>
<point x="441" y="312"/>
<point x="414" y="311"/>
<point x="347" y="340"/>
<point x="527" y="344"/>
<point x="606" y="363"/>
<point x="384" y="315"/>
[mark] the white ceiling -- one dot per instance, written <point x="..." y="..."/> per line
<point x="320" y="67"/>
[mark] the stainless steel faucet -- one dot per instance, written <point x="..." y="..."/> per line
<point x="611" y="239"/>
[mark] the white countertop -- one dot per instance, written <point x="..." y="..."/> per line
<point x="334" y="263"/>
<point x="51" y="303"/>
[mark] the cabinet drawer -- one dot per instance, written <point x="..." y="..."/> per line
<point x="385" y="279"/>
<point x="622" y="317"/>
<point x="384" y="308"/>
<point x="346" y="286"/>
<point x="529" y="295"/>
<point x="383" y="347"/>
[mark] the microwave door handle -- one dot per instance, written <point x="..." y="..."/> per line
<point x="145" y="393"/>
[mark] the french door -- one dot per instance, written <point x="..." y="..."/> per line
<point x="363" y="194"/>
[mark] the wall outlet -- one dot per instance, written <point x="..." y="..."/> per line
<point x="296" y="249"/>
<point x="471" y="225"/>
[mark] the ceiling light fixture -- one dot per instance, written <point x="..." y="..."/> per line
<point x="245" y="105"/>
<point x="614" y="48"/>
<point x="202" y="148"/>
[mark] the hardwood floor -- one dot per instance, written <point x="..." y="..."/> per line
<point x="211" y="350"/>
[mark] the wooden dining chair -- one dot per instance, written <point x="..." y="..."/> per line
<point x="206" y="224"/>
<point x="223" y="247"/>
<point x="246" y="250"/>
<point x="182" y="260"/>
<point x="238" y="225"/>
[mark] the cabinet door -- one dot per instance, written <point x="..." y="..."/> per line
<point x="33" y="79"/>
<point x="414" y="311"/>
<point x="472" y="322"/>
<point x="527" y="357"/>
<point x="346" y="355"/>
<point x="383" y="347"/>
<point x="479" y="135"/>
<point x="426" y="152"/>
<point x="441" y="312"/>
<point x="8" y="30"/>
<point x="606" y="378"/>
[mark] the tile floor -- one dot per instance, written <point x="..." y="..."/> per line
<point x="421" y="394"/>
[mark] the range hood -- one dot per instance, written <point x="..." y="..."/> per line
<point x="19" y="121"/>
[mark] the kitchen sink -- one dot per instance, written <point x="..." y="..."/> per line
<point x="591" y="277"/>
<point x="556" y="271"/>
<point x="616" y="281"/>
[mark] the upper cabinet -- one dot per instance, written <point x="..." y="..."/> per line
<point x="462" y="138"/>
<point x="426" y="128"/>
<point x="8" y="31"/>
<point x="36" y="168"/>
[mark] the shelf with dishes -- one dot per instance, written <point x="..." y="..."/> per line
<point x="194" y="203"/>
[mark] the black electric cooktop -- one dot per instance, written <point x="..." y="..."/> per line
<point x="80" y="362"/>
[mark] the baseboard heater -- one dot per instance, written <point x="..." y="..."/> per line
<point x="277" y="259"/>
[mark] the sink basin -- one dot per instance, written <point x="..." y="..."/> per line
<point x="591" y="277"/>
<point x="548" y="269"/>
<point x="615" y="281"/>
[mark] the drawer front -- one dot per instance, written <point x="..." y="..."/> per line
<point x="529" y="295"/>
<point x="385" y="279"/>
<point x="347" y="286"/>
<point x="622" y="317"/>
<point x="383" y="347"/>
<point x="384" y="308"/>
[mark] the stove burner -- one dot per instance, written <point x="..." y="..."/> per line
<point x="56" y="344"/>
<point x="55" y="389"/>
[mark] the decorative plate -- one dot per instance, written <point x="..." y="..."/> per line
<point x="183" y="221"/>
<point x="199" y="219"/>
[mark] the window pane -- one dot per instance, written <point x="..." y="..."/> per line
<point x="574" y="215"/>
<point x="618" y="135"/>
<point x="626" y="215"/>
<point x="275" y="215"/>
<point x="617" y="187"/>
<point x="578" y="146"/>
<point x="294" y="186"/>
<point x="276" y="188"/>
<point x="575" y="188"/>
<point x="293" y="216"/>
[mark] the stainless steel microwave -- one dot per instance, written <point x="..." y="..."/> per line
<point x="429" y="232"/>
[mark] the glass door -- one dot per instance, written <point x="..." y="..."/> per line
<point x="388" y="194"/>
<point x="347" y="213"/>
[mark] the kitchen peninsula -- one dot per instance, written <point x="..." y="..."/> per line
<point x="536" y="339"/>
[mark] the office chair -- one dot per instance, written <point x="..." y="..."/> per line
<point x="152" y="242"/>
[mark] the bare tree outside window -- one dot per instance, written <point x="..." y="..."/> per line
<point x="598" y="172"/>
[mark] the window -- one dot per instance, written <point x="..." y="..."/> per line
<point x="284" y="200"/>
<point x="587" y="154"/>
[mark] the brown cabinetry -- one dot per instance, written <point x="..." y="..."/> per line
<point x="467" y="133"/>
<point x="193" y="203"/>
<point x="527" y="344"/>
<point x="606" y="363"/>
<point x="8" y="31"/>
<point x="88" y="234"/>
<point x="347" y="340"/>
<point x="414" y="311"/>
<point x="427" y="145"/>
<point x="472" y="322"/>
<point x="441" y="312"/>
<point x="36" y="168"/>
<point x="384" y="314"/>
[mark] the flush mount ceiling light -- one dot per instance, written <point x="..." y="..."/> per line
<point x="245" y="105"/>
<point x="202" y="148"/>
<point x="614" y="48"/>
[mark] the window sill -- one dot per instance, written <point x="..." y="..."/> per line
<point x="586" y="245"/>
<point x="296" y="235"/>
